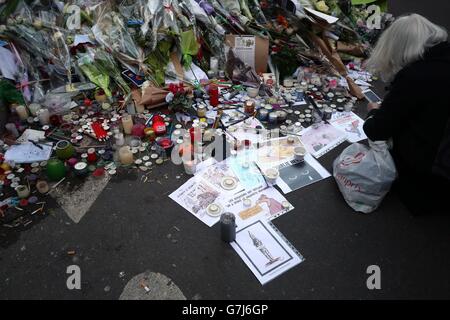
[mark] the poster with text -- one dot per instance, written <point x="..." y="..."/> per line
<point x="351" y="124"/>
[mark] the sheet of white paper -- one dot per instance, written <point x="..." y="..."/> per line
<point x="266" y="204"/>
<point x="265" y="251"/>
<point x="81" y="38"/>
<point x="362" y="83"/>
<point x="351" y="124"/>
<point x="216" y="173"/>
<point x="195" y="195"/>
<point x="31" y="134"/>
<point x="28" y="153"/>
<point x="295" y="175"/>
<point x="319" y="140"/>
<point x="250" y="177"/>
<point x="243" y="131"/>
<point x="276" y="151"/>
<point x="206" y="188"/>
<point x="8" y="66"/>
<point x="326" y="17"/>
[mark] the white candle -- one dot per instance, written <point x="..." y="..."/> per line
<point x="22" y="112"/>
<point x="189" y="167"/>
<point x="44" y="116"/>
<point x="120" y="141"/>
<point x="127" y="123"/>
<point x="252" y="92"/>
<point x="214" y="64"/>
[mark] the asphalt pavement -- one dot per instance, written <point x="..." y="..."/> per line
<point x="133" y="227"/>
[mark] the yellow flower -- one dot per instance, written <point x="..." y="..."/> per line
<point x="322" y="6"/>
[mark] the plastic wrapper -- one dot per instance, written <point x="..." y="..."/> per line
<point x="150" y="10"/>
<point x="158" y="60"/>
<point x="94" y="72"/>
<point x="61" y="55"/>
<point x="203" y="12"/>
<point x="58" y="103"/>
<point x="189" y="46"/>
<point x="169" y="17"/>
<point x="111" y="32"/>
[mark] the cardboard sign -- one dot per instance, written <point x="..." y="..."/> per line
<point x="252" y="50"/>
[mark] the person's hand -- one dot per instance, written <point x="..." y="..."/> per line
<point x="373" y="105"/>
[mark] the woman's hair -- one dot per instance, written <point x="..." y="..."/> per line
<point x="404" y="42"/>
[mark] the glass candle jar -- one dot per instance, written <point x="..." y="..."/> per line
<point x="43" y="116"/>
<point x="138" y="130"/>
<point x="64" y="150"/>
<point x="201" y="111"/>
<point x="42" y="186"/>
<point x="55" y="169"/>
<point x="249" y="107"/>
<point x="22" y="191"/>
<point x="22" y="112"/>
<point x="126" y="156"/>
<point x="159" y="126"/>
<point x="214" y="95"/>
<point x="81" y="168"/>
<point x="91" y="155"/>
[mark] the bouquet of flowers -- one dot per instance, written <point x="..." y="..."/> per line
<point x="110" y="31"/>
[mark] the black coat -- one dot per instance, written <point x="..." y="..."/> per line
<point x="415" y="114"/>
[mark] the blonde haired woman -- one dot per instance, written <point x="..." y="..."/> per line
<point x="413" y="55"/>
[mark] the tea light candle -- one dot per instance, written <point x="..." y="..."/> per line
<point x="272" y="175"/>
<point x="42" y="186"/>
<point x="290" y="140"/>
<point x="44" y="116"/>
<point x="81" y="168"/>
<point x="22" y="112"/>
<point x="127" y="123"/>
<point x="125" y="155"/>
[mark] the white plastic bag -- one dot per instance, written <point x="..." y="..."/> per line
<point x="364" y="175"/>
